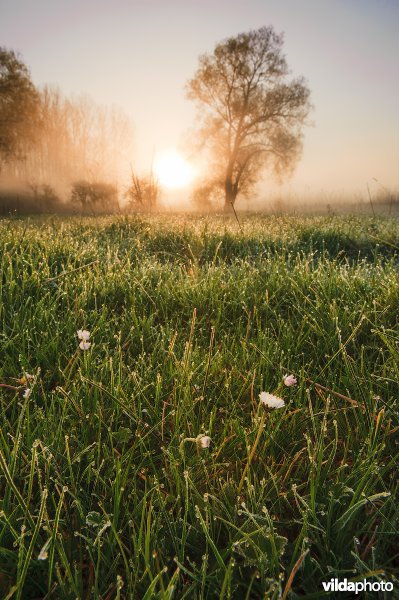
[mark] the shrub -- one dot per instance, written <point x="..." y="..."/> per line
<point x="95" y="197"/>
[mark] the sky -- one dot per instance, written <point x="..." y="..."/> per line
<point x="139" y="55"/>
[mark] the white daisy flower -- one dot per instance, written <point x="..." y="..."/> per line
<point x="83" y="334"/>
<point x="270" y="400"/>
<point x="204" y="441"/>
<point x="84" y="345"/>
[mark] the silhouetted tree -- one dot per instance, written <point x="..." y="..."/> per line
<point x="95" y="197"/>
<point x="18" y="107"/>
<point x="251" y="113"/>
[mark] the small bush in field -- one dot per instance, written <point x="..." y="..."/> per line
<point x="94" y="197"/>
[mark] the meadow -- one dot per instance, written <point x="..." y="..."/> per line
<point x="108" y="488"/>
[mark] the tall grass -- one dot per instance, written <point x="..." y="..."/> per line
<point x="103" y="495"/>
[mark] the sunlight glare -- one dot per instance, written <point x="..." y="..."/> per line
<point x="172" y="170"/>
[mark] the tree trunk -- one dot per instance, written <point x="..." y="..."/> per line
<point x="230" y="195"/>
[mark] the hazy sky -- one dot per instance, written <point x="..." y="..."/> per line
<point x="139" y="55"/>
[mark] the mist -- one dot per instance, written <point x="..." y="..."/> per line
<point x="69" y="153"/>
<point x="67" y="142"/>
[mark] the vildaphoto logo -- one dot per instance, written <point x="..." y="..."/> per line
<point x="335" y="585"/>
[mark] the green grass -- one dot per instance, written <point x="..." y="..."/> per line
<point x="190" y="320"/>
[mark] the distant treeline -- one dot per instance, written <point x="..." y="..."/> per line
<point x="141" y="197"/>
<point x="70" y="139"/>
<point x="50" y="143"/>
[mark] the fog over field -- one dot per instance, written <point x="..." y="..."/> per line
<point x="113" y="80"/>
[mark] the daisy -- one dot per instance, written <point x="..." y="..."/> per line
<point x="290" y="380"/>
<point x="84" y="345"/>
<point x="270" y="400"/>
<point x="204" y="441"/>
<point x="83" y="334"/>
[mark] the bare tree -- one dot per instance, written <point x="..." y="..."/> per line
<point x="251" y="112"/>
<point x="143" y="192"/>
<point x="75" y="139"/>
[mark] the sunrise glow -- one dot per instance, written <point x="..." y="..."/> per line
<point x="172" y="170"/>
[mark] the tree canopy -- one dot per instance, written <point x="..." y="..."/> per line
<point x="18" y="106"/>
<point x="252" y="113"/>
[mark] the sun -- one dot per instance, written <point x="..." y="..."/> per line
<point x="172" y="170"/>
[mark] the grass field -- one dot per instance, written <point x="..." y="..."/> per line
<point x="106" y="491"/>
